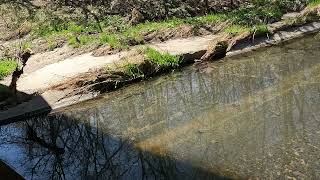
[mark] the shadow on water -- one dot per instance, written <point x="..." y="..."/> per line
<point x="59" y="147"/>
<point x="14" y="108"/>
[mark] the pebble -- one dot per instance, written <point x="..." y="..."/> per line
<point x="297" y="173"/>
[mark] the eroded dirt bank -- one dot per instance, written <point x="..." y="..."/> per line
<point x="83" y="77"/>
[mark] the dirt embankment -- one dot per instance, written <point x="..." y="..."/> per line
<point x="137" y="63"/>
<point x="116" y="76"/>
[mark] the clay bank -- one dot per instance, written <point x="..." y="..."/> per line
<point x="254" y="116"/>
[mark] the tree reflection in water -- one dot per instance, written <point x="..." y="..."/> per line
<point x="59" y="147"/>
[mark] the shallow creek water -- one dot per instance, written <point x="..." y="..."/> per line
<point x="256" y="116"/>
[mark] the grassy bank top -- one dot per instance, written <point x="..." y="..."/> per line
<point x="80" y="27"/>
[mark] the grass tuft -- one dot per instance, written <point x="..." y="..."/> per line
<point x="113" y="40"/>
<point x="162" y="59"/>
<point x="313" y="3"/>
<point x="261" y="29"/>
<point x="236" y="29"/>
<point x="133" y="71"/>
<point x="7" y="66"/>
<point x="81" y="40"/>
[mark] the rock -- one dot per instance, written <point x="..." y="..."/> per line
<point x="103" y="51"/>
<point x="298" y="174"/>
<point x="150" y="36"/>
<point x="290" y="15"/>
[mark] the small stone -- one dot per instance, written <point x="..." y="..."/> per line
<point x="203" y="130"/>
<point x="214" y="141"/>
<point x="302" y="162"/>
<point x="103" y="51"/>
<point x="297" y="173"/>
<point x="290" y="178"/>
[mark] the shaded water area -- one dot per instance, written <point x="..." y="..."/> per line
<point x="254" y="116"/>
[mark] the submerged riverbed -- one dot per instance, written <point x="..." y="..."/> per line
<point x="254" y="116"/>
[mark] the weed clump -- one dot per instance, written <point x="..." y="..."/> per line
<point x="133" y="71"/>
<point x="112" y="40"/>
<point x="7" y="66"/>
<point x="153" y="62"/>
<point x="164" y="60"/>
<point x="313" y="3"/>
<point x="77" y="41"/>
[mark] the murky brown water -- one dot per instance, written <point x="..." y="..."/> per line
<point x="256" y="116"/>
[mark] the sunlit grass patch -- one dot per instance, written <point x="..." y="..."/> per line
<point x="52" y="44"/>
<point x="212" y="18"/>
<point x="117" y="33"/>
<point x="261" y="28"/>
<point x="236" y="29"/>
<point x="152" y="26"/>
<point x="115" y="30"/>
<point x="7" y="66"/>
<point x="113" y="40"/>
<point x="162" y="59"/>
<point x="77" y="41"/>
<point x="313" y="3"/>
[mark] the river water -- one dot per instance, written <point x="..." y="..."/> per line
<point x="256" y="116"/>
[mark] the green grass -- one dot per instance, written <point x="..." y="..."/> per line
<point x="81" y="40"/>
<point x="212" y="18"/>
<point x="313" y="3"/>
<point x="52" y="44"/>
<point x="235" y="29"/>
<point x="121" y="27"/>
<point x="133" y="71"/>
<point x="162" y="59"/>
<point x="119" y="35"/>
<point x="7" y="66"/>
<point x="113" y="40"/>
<point x="261" y="28"/>
<point x="116" y="33"/>
<point x="153" y="26"/>
<point x="263" y="12"/>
